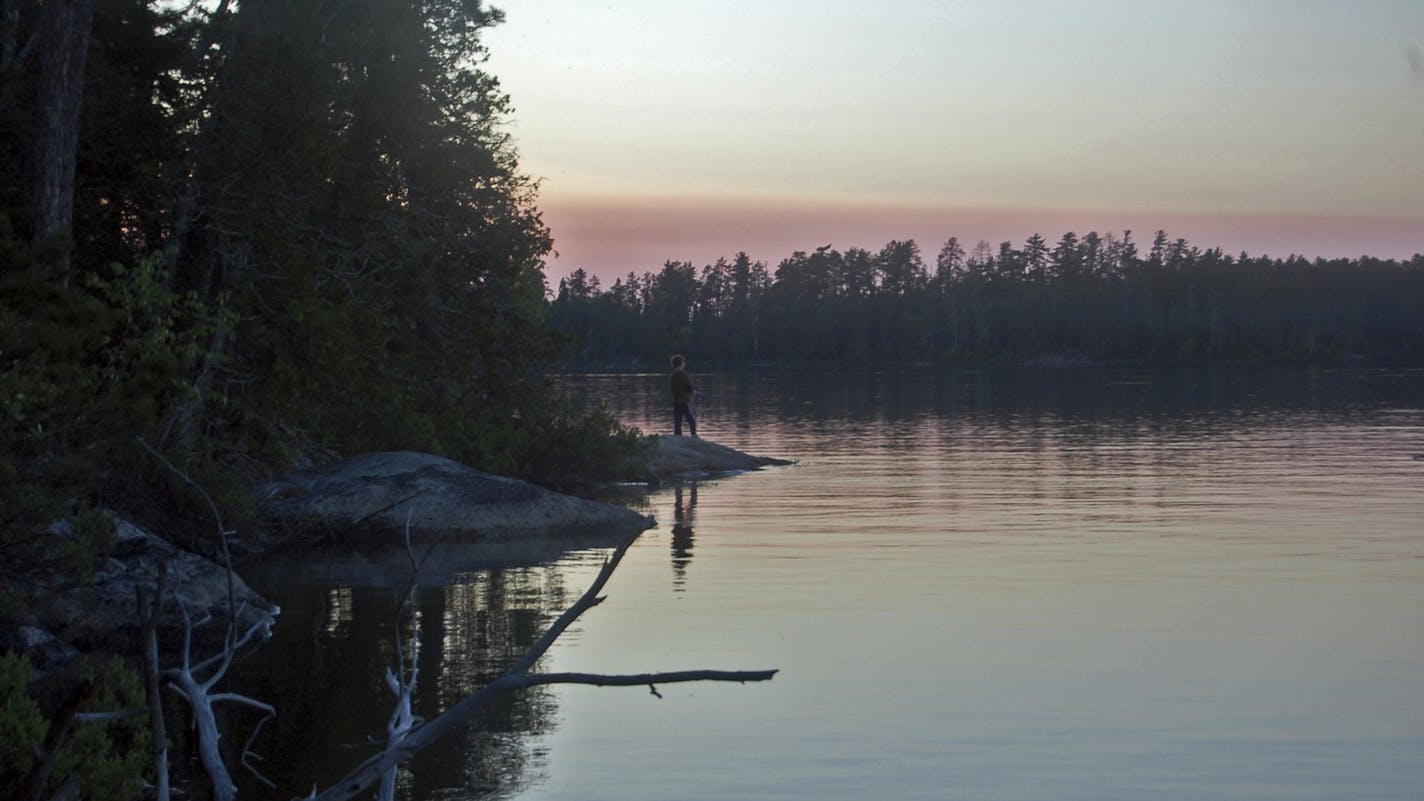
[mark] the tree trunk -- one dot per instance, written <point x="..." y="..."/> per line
<point x="148" y="609"/>
<point x="67" y="24"/>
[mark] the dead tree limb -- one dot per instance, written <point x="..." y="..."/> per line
<point x="148" y="610"/>
<point x="217" y="516"/>
<point x="401" y="681"/>
<point x="368" y="773"/>
<point x="198" y="693"/>
<point x="185" y="678"/>
<point x="654" y="679"/>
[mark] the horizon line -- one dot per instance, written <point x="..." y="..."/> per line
<point x="606" y="235"/>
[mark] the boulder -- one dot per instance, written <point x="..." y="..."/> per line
<point x="370" y="498"/>
<point x="675" y="458"/>
<point x="45" y="651"/>
<point x="102" y="612"/>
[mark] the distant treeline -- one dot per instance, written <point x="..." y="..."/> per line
<point x="1095" y="297"/>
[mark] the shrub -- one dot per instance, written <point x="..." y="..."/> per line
<point x="107" y="758"/>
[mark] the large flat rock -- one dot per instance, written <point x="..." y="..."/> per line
<point x="371" y="498"/>
<point x="675" y="458"/>
<point x="102" y="611"/>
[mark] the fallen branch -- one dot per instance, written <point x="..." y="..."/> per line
<point x="518" y="677"/>
<point x="198" y="693"/>
<point x="401" y="682"/>
<point x="185" y="678"/>
<point x="149" y="608"/>
<point x="634" y="679"/>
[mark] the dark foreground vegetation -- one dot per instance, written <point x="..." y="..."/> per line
<point x="255" y="235"/>
<point x="1095" y="298"/>
<point x="262" y="233"/>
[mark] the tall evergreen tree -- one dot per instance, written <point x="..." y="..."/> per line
<point x="349" y="252"/>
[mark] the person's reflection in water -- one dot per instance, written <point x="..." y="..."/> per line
<point x="682" y="534"/>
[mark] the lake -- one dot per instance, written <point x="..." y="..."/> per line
<point x="1010" y="584"/>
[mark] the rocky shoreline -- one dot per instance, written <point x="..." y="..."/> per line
<point x="687" y="458"/>
<point x="372" y="499"/>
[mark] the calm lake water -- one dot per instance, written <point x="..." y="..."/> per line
<point x="1030" y="584"/>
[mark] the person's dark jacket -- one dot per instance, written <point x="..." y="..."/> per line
<point x="681" y="384"/>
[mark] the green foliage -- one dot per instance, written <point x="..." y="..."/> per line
<point x="576" y="445"/>
<point x="342" y="188"/>
<point x="22" y="726"/>
<point x="108" y="758"/>
<point x="89" y="361"/>
<point x="374" y="237"/>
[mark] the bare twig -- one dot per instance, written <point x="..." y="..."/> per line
<point x="217" y="515"/>
<point x="110" y="717"/>
<point x="201" y="700"/>
<point x="248" y="754"/>
<point x="402" y="683"/>
<point x="185" y="679"/>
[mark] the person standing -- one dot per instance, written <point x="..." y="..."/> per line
<point x="683" y="391"/>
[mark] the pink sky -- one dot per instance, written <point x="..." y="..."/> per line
<point x="691" y="130"/>
<point x="610" y="237"/>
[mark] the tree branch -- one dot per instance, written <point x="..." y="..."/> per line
<point x="401" y="682"/>
<point x="198" y="692"/>
<point x="371" y="771"/>
<point x="110" y="717"/>
<point x="149" y="608"/>
<point x="635" y="679"/>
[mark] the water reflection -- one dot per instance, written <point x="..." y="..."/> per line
<point x="1074" y="584"/>
<point x="737" y="407"/>
<point x="1065" y="584"/>
<point x="683" y="513"/>
<point x="324" y="665"/>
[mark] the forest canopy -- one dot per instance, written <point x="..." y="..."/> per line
<point x="256" y="233"/>
<point x="1092" y="298"/>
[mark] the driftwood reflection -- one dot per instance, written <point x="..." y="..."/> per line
<point x="479" y="699"/>
<point x="521" y="676"/>
<point x="323" y="668"/>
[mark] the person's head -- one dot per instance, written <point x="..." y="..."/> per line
<point x="678" y="362"/>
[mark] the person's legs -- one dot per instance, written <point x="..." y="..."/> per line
<point x="678" y="410"/>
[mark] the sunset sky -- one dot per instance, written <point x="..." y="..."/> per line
<point x="690" y="129"/>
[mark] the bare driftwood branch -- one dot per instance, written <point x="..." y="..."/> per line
<point x="653" y="679"/>
<point x="148" y="609"/>
<point x="217" y="515"/>
<point x="368" y="773"/>
<point x="248" y="754"/>
<point x="110" y="717"/>
<point x="401" y="682"/>
<point x="200" y="702"/>
<point x="198" y="692"/>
